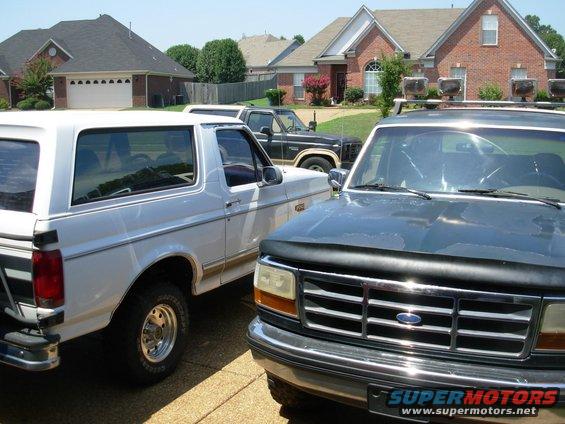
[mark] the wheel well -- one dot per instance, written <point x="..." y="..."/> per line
<point x="177" y="270"/>
<point x="329" y="158"/>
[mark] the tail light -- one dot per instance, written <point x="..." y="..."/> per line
<point x="48" y="280"/>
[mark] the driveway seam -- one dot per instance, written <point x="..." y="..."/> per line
<point x="231" y="397"/>
<point x="210" y="367"/>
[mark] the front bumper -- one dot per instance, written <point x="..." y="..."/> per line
<point x="28" y="349"/>
<point x="343" y="373"/>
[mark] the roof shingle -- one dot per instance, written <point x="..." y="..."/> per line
<point x="263" y="50"/>
<point x="97" y="45"/>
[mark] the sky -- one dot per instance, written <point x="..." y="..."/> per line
<point x="165" y="23"/>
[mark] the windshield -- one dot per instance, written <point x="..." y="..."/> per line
<point x="290" y="121"/>
<point x="18" y="174"/>
<point x="446" y="160"/>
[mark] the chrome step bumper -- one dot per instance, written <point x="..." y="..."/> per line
<point x="28" y="352"/>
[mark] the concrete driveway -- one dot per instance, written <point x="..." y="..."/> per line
<point x="217" y="382"/>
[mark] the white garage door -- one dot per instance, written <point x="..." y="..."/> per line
<point x="94" y="93"/>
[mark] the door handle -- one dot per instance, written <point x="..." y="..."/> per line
<point x="232" y="203"/>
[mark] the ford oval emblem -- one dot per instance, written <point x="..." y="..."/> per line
<point x="409" y="319"/>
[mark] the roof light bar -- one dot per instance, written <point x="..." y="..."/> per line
<point x="523" y="88"/>
<point x="450" y="87"/>
<point x="415" y="86"/>
<point x="557" y="88"/>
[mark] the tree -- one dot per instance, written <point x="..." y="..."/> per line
<point x="220" y="61"/>
<point x="393" y="69"/>
<point x="36" y="81"/>
<point x="185" y="54"/>
<point x="299" y="38"/>
<point x="552" y="38"/>
<point x="316" y="85"/>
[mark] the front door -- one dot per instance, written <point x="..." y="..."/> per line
<point x="252" y="212"/>
<point x="273" y="144"/>
<point x="341" y="84"/>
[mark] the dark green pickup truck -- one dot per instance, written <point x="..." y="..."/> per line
<point x="288" y="140"/>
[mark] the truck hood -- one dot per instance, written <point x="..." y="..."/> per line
<point x="469" y="230"/>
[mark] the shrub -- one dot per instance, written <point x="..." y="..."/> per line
<point x="42" y="105"/>
<point x="490" y="92"/>
<point x="542" y="96"/>
<point x="393" y="69"/>
<point x="220" y="61"/>
<point x="184" y="54"/>
<point x="4" y="104"/>
<point x="275" y="96"/>
<point x="374" y="99"/>
<point x="326" y="102"/>
<point x="26" y="104"/>
<point x="36" y="81"/>
<point x="432" y="94"/>
<point x="316" y="85"/>
<point x="354" y="94"/>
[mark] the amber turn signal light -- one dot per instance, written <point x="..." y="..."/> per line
<point x="276" y="303"/>
<point x="551" y="341"/>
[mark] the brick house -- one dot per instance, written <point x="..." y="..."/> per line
<point x="98" y="63"/>
<point x="262" y="52"/>
<point x="486" y="42"/>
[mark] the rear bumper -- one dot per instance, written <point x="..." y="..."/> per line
<point x="28" y="349"/>
<point x="343" y="372"/>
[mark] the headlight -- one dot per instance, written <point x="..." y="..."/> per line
<point x="275" y="288"/>
<point x="552" y="330"/>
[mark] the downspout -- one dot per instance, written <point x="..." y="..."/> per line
<point x="146" y="91"/>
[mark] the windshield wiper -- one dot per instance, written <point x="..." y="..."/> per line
<point x="493" y="192"/>
<point x="384" y="187"/>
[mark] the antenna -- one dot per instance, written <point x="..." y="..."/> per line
<point x="129" y="34"/>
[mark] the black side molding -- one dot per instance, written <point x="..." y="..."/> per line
<point x="42" y="239"/>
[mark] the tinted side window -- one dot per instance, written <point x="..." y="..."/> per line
<point x="18" y="174"/>
<point x="258" y="120"/>
<point x="119" y="162"/>
<point x="242" y="162"/>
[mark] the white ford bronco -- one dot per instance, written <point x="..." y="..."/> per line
<point x="113" y="220"/>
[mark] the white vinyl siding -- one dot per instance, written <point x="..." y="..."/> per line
<point x="462" y="74"/>
<point x="298" y="79"/>
<point x="489" y="33"/>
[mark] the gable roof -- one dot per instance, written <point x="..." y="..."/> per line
<point x="264" y="50"/>
<point x="97" y="45"/>
<point x="426" y="26"/>
<point x="511" y="11"/>
<point x="305" y="54"/>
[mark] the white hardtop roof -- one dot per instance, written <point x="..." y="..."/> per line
<point x="100" y="119"/>
<point x="215" y="107"/>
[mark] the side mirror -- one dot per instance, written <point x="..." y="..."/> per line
<point x="267" y="131"/>
<point x="312" y="125"/>
<point x="272" y="175"/>
<point x="337" y="177"/>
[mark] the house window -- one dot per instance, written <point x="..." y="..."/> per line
<point x="460" y="73"/>
<point x="372" y="72"/>
<point x="489" y="35"/>
<point x="88" y="82"/>
<point x="518" y="73"/>
<point x="128" y="81"/>
<point x="80" y="83"/>
<point x="298" y="79"/>
<point x="103" y="82"/>
<point x="73" y="83"/>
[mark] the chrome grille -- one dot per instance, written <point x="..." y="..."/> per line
<point x="452" y="320"/>
<point x="350" y="151"/>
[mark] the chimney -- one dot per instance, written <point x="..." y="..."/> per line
<point x="129" y="34"/>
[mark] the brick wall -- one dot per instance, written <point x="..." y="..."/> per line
<point x="165" y="87"/>
<point x="138" y="91"/>
<point x="56" y="60"/>
<point x="5" y="89"/>
<point x="490" y="63"/>
<point x="374" y="45"/>
<point x="286" y="82"/>
<point x="60" y="84"/>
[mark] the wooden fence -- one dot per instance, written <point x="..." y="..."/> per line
<point x="214" y="94"/>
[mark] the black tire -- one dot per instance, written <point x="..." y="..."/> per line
<point x="289" y="396"/>
<point x="123" y="336"/>
<point x="317" y="163"/>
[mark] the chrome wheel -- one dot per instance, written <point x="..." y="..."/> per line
<point x="316" y="168"/>
<point x="159" y="333"/>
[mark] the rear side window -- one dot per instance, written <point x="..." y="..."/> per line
<point x="18" y="174"/>
<point x="120" y="162"/>
<point x="216" y="112"/>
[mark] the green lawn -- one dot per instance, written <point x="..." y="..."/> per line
<point x="355" y="126"/>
